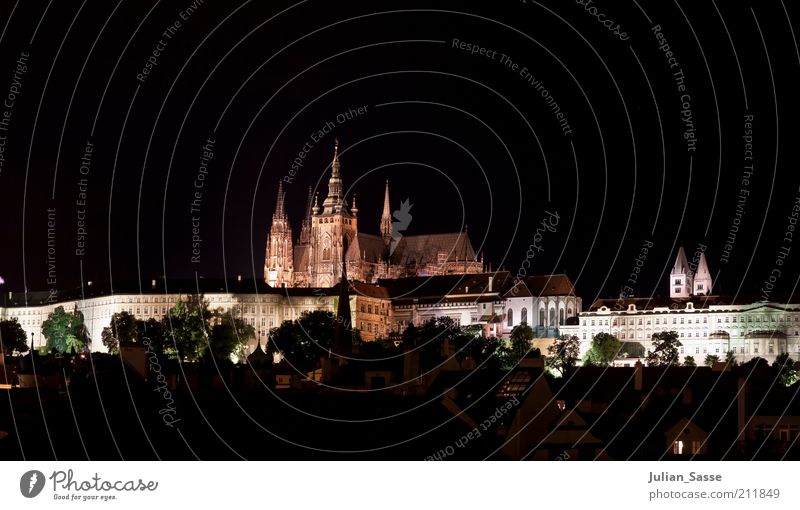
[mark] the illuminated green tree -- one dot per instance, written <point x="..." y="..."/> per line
<point x="604" y="349"/>
<point x="187" y="326"/>
<point x="788" y="369"/>
<point x="65" y="331"/>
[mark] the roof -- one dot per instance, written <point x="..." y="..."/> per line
<point x="699" y="302"/>
<point x="159" y="286"/>
<point x="475" y="285"/>
<point x="543" y="285"/>
<point x="425" y="249"/>
<point x="366" y="247"/>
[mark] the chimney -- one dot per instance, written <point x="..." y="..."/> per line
<point x="637" y="378"/>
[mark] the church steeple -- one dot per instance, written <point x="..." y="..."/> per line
<point x="280" y="210"/>
<point x="305" y="229"/>
<point x="334" y="202"/>
<point x="386" y="217"/>
<point x="702" y="277"/>
<point x="278" y="261"/>
<point x="680" y="277"/>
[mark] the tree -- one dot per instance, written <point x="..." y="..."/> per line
<point x="730" y="358"/>
<point x="304" y="341"/>
<point x="711" y="359"/>
<point x="755" y="363"/>
<point x="187" y="325"/>
<point x="520" y="338"/>
<point x="604" y="349"/>
<point x="788" y="373"/>
<point x="563" y="353"/>
<point x="517" y="347"/>
<point x="230" y="336"/>
<point x="631" y="350"/>
<point x="665" y="349"/>
<point x="13" y="337"/>
<point x="121" y="330"/>
<point x="65" y="331"/>
<point x="689" y="361"/>
<point x="154" y="334"/>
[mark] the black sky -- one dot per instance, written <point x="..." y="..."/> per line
<point x="465" y="138"/>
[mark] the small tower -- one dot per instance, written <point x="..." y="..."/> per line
<point x="279" y="259"/>
<point x="680" y="284"/>
<point x="386" y="218"/>
<point x="702" y="277"/>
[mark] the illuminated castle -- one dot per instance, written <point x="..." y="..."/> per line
<point x="311" y="261"/>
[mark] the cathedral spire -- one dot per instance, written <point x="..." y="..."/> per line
<point x="305" y="229"/>
<point x="702" y="277"/>
<point x="386" y="217"/>
<point x="334" y="202"/>
<point x="280" y="211"/>
<point x="680" y="285"/>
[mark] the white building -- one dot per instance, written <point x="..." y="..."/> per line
<point x="261" y="307"/>
<point x="705" y="323"/>
<point x="544" y="302"/>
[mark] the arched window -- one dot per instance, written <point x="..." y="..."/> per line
<point x="523" y="316"/>
<point x="326" y="253"/>
<point x="541" y="317"/>
<point x="552" y="316"/>
<point x="510" y="317"/>
<point x="561" y="317"/>
<point x="569" y="312"/>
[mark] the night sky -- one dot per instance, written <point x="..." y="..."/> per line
<point x="649" y="147"/>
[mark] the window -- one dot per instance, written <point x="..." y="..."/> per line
<point x="561" y="317"/>
<point x="677" y="448"/>
<point x="699" y="286"/>
<point x="695" y="447"/>
<point x="523" y="315"/>
<point x="677" y="281"/>
<point x="510" y="317"/>
<point x="677" y="290"/>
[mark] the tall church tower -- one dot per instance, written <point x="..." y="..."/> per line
<point x="329" y="224"/>
<point x="702" y="277"/>
<point x="305" y="229"/>
<point x="681" y="277"/>
<point x="278" y="261"/>
<point x="386" y="218"/>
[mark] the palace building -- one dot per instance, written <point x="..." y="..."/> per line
<point x="312" y="259"/>
<point x="705" y="323"/>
